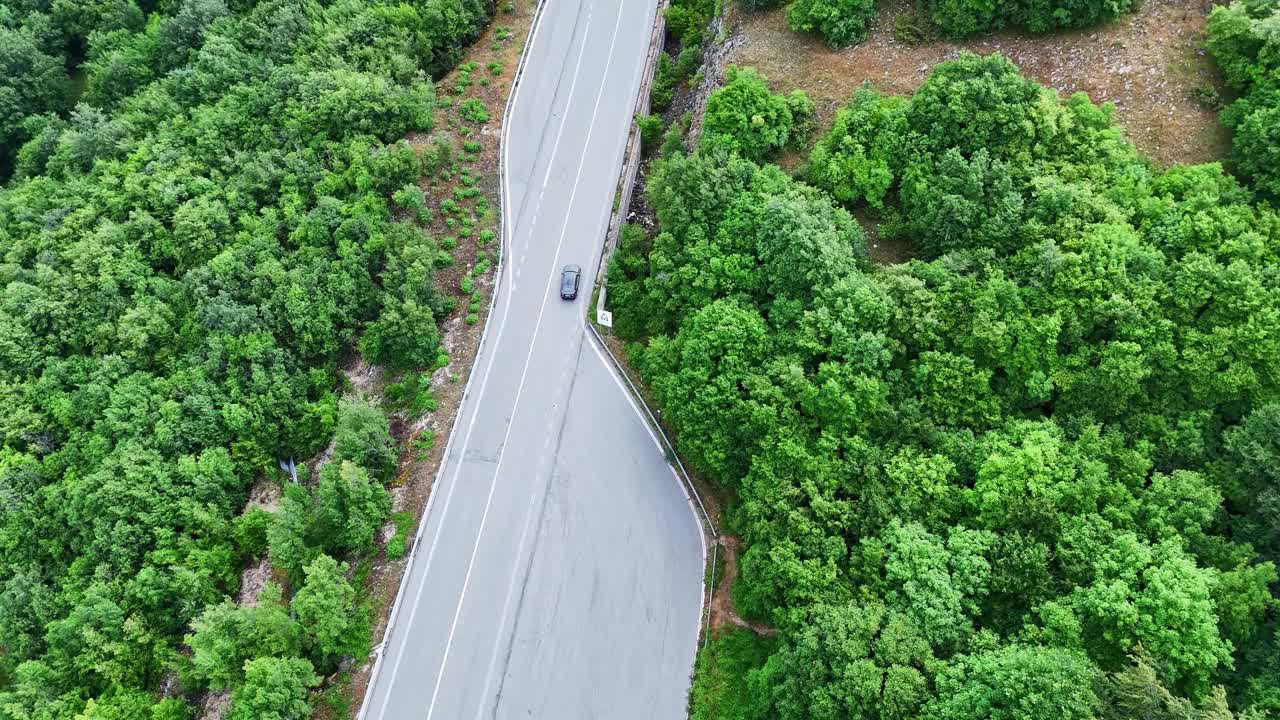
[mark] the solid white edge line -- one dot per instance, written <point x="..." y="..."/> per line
<point x="502" y="266"/>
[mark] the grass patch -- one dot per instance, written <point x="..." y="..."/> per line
<point x="411" y="393"/>
<point x="399" y="542"/>
<point x="722" y="680"/>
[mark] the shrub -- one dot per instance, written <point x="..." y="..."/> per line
<point x="911" y="29"/>
<point x="351" y="507"/>
<point x="862" y="156"/>
<point x="976" y="103"/>
<point x="687" y="62"/>
<point x="958" y="18"/>
<point x="274" y="688"/>
<point x="803" y="119"/>
<point x="744" y="116"/>
<point x="673" y="139"/>
<point x="251" y="532"/>
<point x="1244" y="41"/>
<point x="840" y="22"/>
<point x="651" y="129"/>
<point x="687" y="19"/>
<point x="474" y="111"/>
<point x="403" y="521"/>
<point x="1255" y="151"/>
<point x="662" y="92"/>
<point x="364" y="437"/>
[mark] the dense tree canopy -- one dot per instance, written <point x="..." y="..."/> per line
<point x="185" y="255"/>
<point x="1030" y="475"/>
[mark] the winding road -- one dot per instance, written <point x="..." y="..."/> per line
<point x="558" y="570"/>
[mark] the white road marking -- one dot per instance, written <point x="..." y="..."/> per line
<point x="528" y="521"/>
<point x="484" y="517"/>
<point x="509" y="231"/>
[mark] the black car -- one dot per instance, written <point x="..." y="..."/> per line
<point x="570" y="277"/>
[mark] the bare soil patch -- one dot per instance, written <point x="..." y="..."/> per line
<point x="1149" y="64"/>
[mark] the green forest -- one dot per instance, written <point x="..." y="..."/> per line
<point x="1033" y="474"/>
<point x="196" y="228"/>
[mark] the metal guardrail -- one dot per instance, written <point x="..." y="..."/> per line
<point x="499" y="274"/>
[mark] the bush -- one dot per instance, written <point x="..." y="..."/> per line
<point x="976" y="103"/>
<point x="911" y="29"/>
<point x="274" y="689"/>
<point x="1047" y="15"/>
<point x="399" y="541"/>
<point x="803" y="119"/>
<point x="959" y="204"/>
<point x="651" y="129"/>
<point x="33" y="83"/>
<point x="364" y="437"/>
<point x="474" y="111"/>
<point x="745" y="117"/>
<point x="326" y="610"/>
<point x="662" y="92"/>
<point x="687" y="19"/>
<point x="958" y="18"/>
<point x="840" y="22"/>
<point x="350" y="508"/>
<point x="251" y="532"/>
<point x="673" y="139"/>
<point x="725" y="685"/>
<point x="862" y="157"/>
<point x="687" y="62"/>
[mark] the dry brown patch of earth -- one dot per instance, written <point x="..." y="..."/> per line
<point x="1149" y="64"/>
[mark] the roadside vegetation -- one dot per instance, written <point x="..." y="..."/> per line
<point x="200" y="236"/>
<point x="1031" y="474"/>
<point x="842" y="23"/>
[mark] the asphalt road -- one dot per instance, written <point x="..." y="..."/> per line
<point x="558" y="573"/>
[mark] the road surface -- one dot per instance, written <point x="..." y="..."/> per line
<point x="558" y="573"/>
